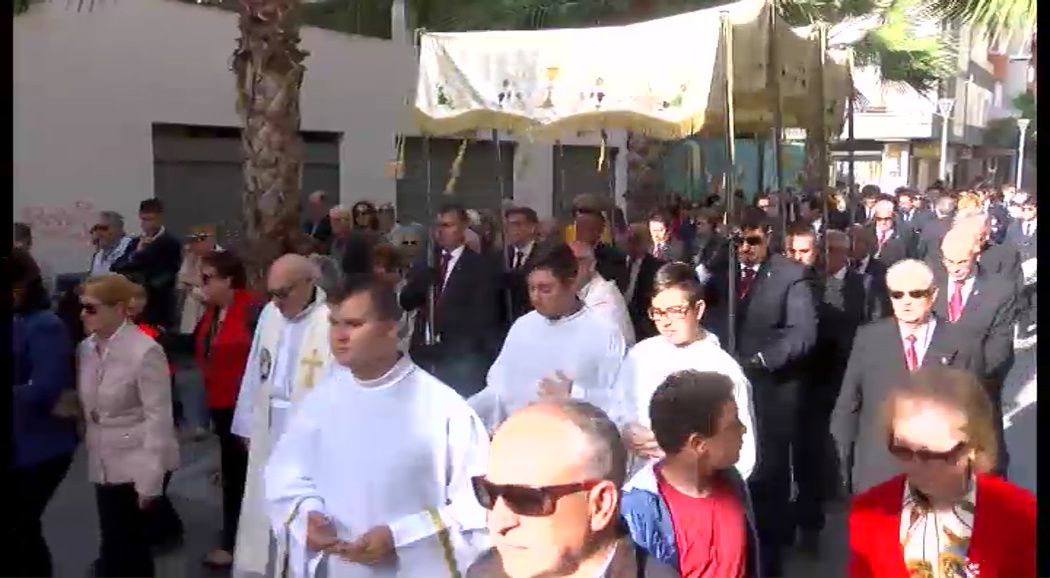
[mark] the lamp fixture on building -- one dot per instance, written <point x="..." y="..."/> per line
<point x="944" y="110"/>
<point x="1022" y="127"/>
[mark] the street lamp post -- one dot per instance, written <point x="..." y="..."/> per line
<point x="1022" y="126"/>
<point x="944" y="110"/>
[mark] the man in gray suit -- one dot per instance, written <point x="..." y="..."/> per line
<point x="884" y="352"/>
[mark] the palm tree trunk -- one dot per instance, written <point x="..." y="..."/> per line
<point x="268" y="64"/>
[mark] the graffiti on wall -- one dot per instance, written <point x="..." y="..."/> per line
<point x="71" y="222"/>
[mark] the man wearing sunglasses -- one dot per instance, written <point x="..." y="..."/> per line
<point x="289" y="354"/>
<point x="776" y="328"/>
<point x="884" y="354"/>
<point x="892" y="241"/>
<point x="375" y="469"/>
<point x="552" y="489"/>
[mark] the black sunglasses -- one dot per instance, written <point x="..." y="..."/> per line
<point x="411" y="243"/>
<point x="88" y="308"/>
<point x="907" y="454"/>
<point x="914" y="294"/>
<point x="753" y="240"/>
<point x="530" y="501"/>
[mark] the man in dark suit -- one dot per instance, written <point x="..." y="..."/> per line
<point x="521" y="248"/>
<point x="842" y="306"/>
<point x="908" y="215"/>
<point x="641" y="278"/>
<point x="665" y="246"/>
<point x="466" y="330"/>
<point x="318" y="224"/>
<point x="929" y="243"/>
<point x="153" y="260"/>
<point x="892" y="242"/>
<point x="869" y="195"/>
<point x="611" y="262"/>
<point x="776" y="328"/>
<point x="995" y="259"/>
<point x="862" y="241"/>
<point x="883" y="354"/>
<point x="983" y="306"/>
<point x="1021" y="233"/>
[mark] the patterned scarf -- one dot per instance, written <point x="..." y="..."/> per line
<point x="936" y="541"/>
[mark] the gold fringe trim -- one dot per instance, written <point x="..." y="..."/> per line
<point x="453" y="171"/>
<point x="446" y="542"/>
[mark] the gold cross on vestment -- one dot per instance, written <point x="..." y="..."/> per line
<point x="312" y="363"/>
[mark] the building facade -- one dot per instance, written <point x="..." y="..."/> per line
<point x="135" y="99"/>
<point x="897" y="130"/>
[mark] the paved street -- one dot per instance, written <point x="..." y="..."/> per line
<point x="71" y="525"/>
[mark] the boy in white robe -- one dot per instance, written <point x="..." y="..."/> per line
<point x="676" y="309"/>
<point x="374" y="471"/>
<point x="599" y="293"/>
<point x="560" y="349"/>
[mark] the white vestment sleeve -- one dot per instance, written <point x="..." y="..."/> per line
<point x="603" y="392"/>
<point x="250" y="382"/>
<point x="462" y="515"/>
<point x="290" y="489"/>
<point x="626" y="404"/>
<point x="746" y="409"/>
<point x="488" y="403"/>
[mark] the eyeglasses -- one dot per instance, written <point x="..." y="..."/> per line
<point x="410" y="243"/>
<point x="914" y="294"/>
<point x="530" y="501"/>
<point x="881" y="219"/>
<point x="89" y="308"/>
<point x="675" y="313"/>
<point x="282" y="292"/>
<point x="753" y="240"/>
<point x="906" y="454"/>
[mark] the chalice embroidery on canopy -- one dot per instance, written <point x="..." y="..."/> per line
<point x="551" y="73"/>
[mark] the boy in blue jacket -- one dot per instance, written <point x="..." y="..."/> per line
<point x="691" y="510"/>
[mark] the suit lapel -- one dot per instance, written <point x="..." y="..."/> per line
<point x="942" y="350"/>
<point x="976" y="298"/>
<point x="896" y="345"/>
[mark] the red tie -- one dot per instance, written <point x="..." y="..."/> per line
<point x="746" y="277"/>
<point x="955" y="304"/>
<point x="911" y="359"/>
<point x="442" y="274"/>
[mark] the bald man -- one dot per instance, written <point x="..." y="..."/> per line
<point x="884" y="353"/>
<point x="1003" y="260"/>
<point x="553" y="493"/>
<point x="288" y="355"/>
<point x="599" y="293"/>
<point x="318" y="224"/>
<point x="982" y="306"/>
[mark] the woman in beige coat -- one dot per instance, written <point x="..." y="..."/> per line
<point x="125" y="390"/>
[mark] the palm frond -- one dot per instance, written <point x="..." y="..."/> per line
<point x="998" y="17"/>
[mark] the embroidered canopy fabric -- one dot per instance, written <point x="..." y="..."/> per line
<point x="548" y="83"/>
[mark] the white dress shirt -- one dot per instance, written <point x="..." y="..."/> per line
<point x="453" y="257"/>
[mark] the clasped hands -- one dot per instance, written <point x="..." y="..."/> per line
<point x="557" y="387"/>
<point x="372" y="547"/>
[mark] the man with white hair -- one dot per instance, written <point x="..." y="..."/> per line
<point x="995" y="259"/>
<point x="884" y="353"/>
<point x="892" y="242"/>
<point x="318" y="225"/>
<point x="598" y="293"/>
<point x="113" y="242"/>
<point x="289" y="353"/>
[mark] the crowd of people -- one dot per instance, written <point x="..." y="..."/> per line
<point x="681" y="396"/>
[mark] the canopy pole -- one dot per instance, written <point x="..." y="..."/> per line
<point x="730" y="174"/>
<point x="851" y="175"/>
<point x="822" y="119"/>
<point x="773" y="71"/>
<point x="430" y="334"/>
<point x="507" y="302"/>
<point x="561" y="172"/>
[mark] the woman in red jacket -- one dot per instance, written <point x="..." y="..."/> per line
<point x="222" y="341"/>
<point x="945" y="516"/>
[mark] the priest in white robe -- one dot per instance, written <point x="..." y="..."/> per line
<point x="560" y="349"/>
<point x="682" y="344"/>
<point x="290" y="352"/>
<point x="599" y="293"/>
<point x="373" y="475"/>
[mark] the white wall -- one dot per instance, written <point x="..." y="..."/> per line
<point x="89" y="85"/>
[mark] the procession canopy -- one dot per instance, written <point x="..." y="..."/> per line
<point x="548" y="83"/>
